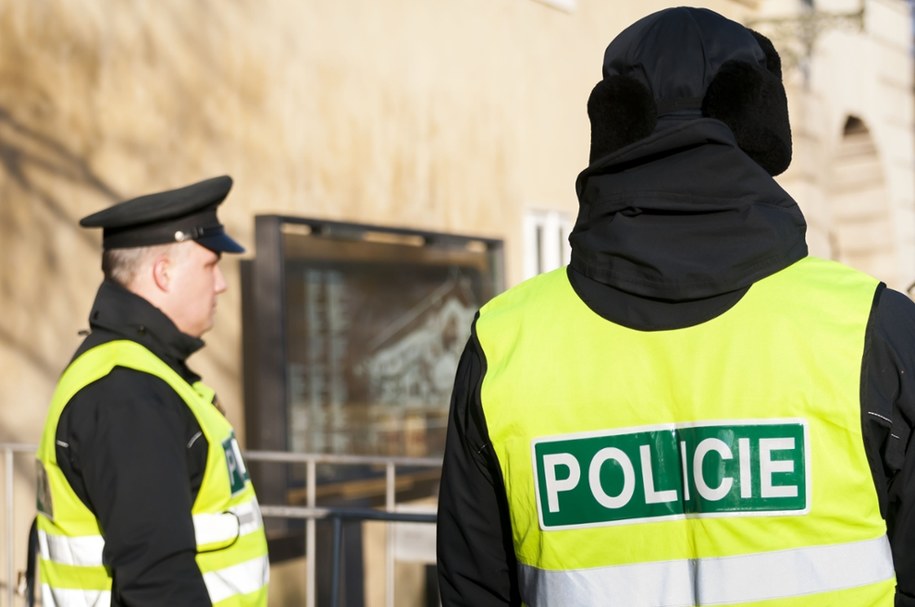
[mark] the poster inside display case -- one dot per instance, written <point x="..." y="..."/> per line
<point x="353" y="334"/>
<point x="374" y="331"/>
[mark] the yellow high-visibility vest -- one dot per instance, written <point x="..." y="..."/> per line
<point x="231" y="544"/>
<point x="717" y="464"/>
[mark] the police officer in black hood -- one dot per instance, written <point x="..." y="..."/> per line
<point x="695" y="411"/>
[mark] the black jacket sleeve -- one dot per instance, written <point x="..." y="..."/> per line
<point x="476" y="560"/>
<point x="126" y="438"/>
<point x="888" y="417"/>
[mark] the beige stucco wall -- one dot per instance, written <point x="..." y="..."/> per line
<point x="446" y="115"/>
<point x="438" y="115"/>
<point x="858" y="192"/>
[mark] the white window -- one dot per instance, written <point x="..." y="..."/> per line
<point x="546" y="241"/>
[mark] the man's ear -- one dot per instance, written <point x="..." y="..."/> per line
<point x="161" y="268"/>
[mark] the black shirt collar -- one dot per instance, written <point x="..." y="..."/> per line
<point x="120" y="314"/>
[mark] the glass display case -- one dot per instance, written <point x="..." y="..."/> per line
<point x="352" y="335"/>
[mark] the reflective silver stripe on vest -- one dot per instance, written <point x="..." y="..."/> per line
<point x="85" y="551"/>
<point x="65" y="597"/>
<point x="237" y="579"/>
<point x="714" y="581"/>
<point x="225" y="526"/>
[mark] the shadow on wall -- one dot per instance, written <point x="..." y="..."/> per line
<point x="32" y="165"/>
<point x="26" y="146"/>
<point x="31" y="162"/>
<point x="83" y="89"/>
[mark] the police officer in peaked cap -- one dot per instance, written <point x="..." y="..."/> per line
<point x="143" y="497"/>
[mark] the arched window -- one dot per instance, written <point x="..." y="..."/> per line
<point x="862" y="232"/>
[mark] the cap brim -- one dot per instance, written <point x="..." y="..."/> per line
<point x="221" y="243"/>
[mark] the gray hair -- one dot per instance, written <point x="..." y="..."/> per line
<point x="122" y="265"/>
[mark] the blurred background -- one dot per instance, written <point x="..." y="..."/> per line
<point x="396" y="164"/>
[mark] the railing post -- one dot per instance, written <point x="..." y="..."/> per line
<point x="310" y="500"/>
<point x="336" y="555"/>
<point x="8" y="492"/>
<point x="390" y="504"/>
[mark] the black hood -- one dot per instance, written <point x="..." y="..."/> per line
<point x="687" y="209"/>
<point x="677" y="53"/>
<point x="683" y="214"/>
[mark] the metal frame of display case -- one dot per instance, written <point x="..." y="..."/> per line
<point x="265" y="331"/>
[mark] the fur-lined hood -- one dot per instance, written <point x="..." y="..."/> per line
<point x="678" y="202"/>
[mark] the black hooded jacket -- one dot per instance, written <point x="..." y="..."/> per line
<point x="672" y="231"/>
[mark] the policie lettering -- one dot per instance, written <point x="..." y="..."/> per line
<point x="672" y="471"/>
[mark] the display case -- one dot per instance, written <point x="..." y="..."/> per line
<point x="352" y="335"/>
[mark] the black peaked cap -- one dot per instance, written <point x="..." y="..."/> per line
<point x="186" y="213"/>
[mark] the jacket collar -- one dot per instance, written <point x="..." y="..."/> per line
<point x="125" y="315"/>
<point x="683" y="214"/>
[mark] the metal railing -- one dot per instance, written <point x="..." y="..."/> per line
<point x="310" y="513"/>
<point x="9" y="453"/>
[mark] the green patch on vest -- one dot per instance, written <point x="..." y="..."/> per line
<point x="238" y="473"/>
<point x="43" y="503"/>
<point x="670" y="472"/>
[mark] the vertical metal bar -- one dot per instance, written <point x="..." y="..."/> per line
<point x="10" y="582"/>
<point x="310" y="535"/>
<point x="336" y="572"/>
<point x="390" y="504"/>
